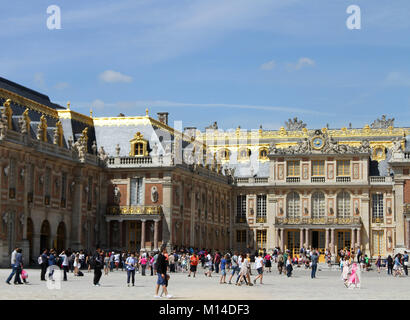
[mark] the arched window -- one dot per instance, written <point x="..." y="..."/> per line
<point x="244" y="154"/>
<point x="263" y="154"/>
<point x="343" y="205"/>
<point x="318" y="205"/>
<point x="293" y="205"/>
<point x="224" y="154"/>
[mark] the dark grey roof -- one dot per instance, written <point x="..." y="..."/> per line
<point x="28" y="93"/>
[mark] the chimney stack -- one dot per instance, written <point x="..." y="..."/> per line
<point x="163" y="117"/>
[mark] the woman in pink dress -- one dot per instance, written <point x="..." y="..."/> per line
<point x="354" y="276"/>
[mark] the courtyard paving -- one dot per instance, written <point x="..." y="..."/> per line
<point x="327" y="285"/>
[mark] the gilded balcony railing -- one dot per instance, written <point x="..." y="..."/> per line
<point x="323" y="220"/>
<point x="406" y="208"/>
<point x="261" y="220"/>
<point x="116" y="210"/>
<point x="377" y="219"/>
<point x="240" y="219"/>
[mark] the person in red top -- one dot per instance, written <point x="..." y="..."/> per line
<point x="268" y="262"/>
<point x="193" y="264"/>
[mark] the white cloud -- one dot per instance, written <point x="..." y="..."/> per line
<point x="268" y="65"/>
<point x="39" y="80"/>
<point x="395" y="78"/>
<point x="142" y="105"/>
<point x="302" y="62"/>
<point x="61" y="85"/>
<point x="98" y="104"/>
<point x="111" y="76"/>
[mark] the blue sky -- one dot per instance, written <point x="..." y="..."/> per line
<point x="238" y="62"/>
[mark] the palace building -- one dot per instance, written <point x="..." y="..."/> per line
<point x="136" y="183"/>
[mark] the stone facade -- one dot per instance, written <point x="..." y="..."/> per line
<point x="135" y="183"/>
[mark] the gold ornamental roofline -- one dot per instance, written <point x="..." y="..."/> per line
<point x="366" y="131"/>
<point x="31" y="104"/>
<point x="70" y="114"/>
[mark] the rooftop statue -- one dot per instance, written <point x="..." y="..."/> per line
<point x="294" y="125"/>
<point x="382" y="123"/>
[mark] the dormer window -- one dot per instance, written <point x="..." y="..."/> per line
<point x="139" y="146"/>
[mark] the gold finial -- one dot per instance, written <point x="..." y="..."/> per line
<point x="68" y="105"/>
<point x="91" y="113"/>
<point x="146" y="112"/>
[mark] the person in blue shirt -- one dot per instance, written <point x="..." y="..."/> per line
<point x="405" y="262"/>
<point x="131" y="263"/>
<point x="44" y="265"/>
<point x="51" y="264"/>
<point x="223" y="269"/>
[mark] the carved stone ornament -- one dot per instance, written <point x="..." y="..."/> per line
<point x="320" y="142"/>
<point x="117" y="195"/>
<point x="154" y="194"/>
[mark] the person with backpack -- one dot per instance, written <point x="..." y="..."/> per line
<point x="43" y="261"/>
<point x="51" y="264"/>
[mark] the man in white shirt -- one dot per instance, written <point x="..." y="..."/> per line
<point x="13" y="265"/>
<point x="259" y="268"/>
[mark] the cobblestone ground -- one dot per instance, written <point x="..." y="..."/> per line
<point x="327" y="285"/>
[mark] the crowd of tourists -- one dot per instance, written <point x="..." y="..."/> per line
<point x="230" y="267"/>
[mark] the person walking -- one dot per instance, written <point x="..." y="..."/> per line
<point x="161" y="267"/>
<point x="379" y="263"/>
<point x="193" y="264"/>
<point x="130" y="264"/>
<point x="217" y="261"/>
<point x="234" y="267"/>
<point x="281" y="262"/>
<point x="98" y="263"/>
<point x="405" y="263"/>
<point x="19" y="267"/>
<point x="44" y="265"/>
<point x="13" y="266"/>
<point x="223" y="269"/>
<point x="143" y="262"/>
<point x="51" y="264"/>
<point x="390" y="265"/>
<point x="259" y="268"/>
<point x="289" y="267"/>
<point x="314" y="259"/>
<point x="65" y="264"/>
<point x="77" y="264"/>
<point x="107" y="263"/>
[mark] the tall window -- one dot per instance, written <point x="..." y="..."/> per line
<point x="318" y="167"/>
<point x="63" y="189"/>
<point x="318" y="205"/>
<point x="136" y="191"/>
<point x="293" y="205"/>
<point x="343" y="167"/>
<point x="293" y="168"/>
<point x="89" y="194"/>
<point x="343" y="205"/>
<point x="241" y="208"/>
<point x="261" y="208"/>
<point x="377" y="207"/>
<point x="139" y="149"/>
<point x="241" y="236"/>
<point x="261" y="238"/>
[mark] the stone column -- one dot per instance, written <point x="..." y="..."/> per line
<point x="399" y="208"/>
<point x="143" y="234"/>
<point x="276" y="237"/>
<point x="352" y="240"/>
<point x="282" y="234"/>
<point x="408" y="233"/>
<point x="307" y="238"/>
<point x="108" y="234"/>
<point x="332" y="239"/>
<point x="156" y="222"/>
<point x="359" y="238"/>
<point x="301" y="237"/>
<point x="327" y="238"/>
